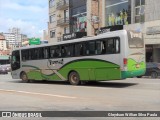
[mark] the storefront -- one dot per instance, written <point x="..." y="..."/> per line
<point x="78" y="15"/>
<point x="118" y="12"/>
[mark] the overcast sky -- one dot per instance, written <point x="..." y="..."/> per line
<point x="31" y="16"/>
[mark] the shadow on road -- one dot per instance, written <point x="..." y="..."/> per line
<point x="109" y="84"/>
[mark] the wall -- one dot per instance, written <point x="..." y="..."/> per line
<point x="92" y="10"/>
<point x="152" y="11"/>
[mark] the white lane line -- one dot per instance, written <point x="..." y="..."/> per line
<point x="43" y="94"/>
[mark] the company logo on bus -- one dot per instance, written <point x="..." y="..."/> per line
<point x="135" y="35"/>
<point x="55" y="62"/>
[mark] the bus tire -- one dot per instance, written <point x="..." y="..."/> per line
<point x="24" y="77"/>
<point x="74" y="78"/>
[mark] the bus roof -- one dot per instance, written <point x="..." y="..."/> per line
<point x="4" y="57"/>
<point x="108" y="34"/>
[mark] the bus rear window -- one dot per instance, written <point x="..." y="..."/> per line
<point x="135" y="39"/>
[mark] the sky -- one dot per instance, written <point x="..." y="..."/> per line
<point x="31" y="16"/>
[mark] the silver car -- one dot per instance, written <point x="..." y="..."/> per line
<point x="3" y="70"/>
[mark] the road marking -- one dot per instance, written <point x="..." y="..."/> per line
<point x="43" y="94"/>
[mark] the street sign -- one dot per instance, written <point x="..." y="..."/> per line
<point x="34" y="41"/>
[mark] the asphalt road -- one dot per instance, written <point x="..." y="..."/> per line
<point x="125" y="95"/>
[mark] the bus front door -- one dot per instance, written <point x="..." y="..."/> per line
<point x="15" y="60"/>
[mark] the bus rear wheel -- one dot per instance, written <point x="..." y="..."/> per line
<point x="24" y="77"/>
<point x="74" y="78"/>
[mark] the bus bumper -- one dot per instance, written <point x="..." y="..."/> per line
<point x="130" y="74"/>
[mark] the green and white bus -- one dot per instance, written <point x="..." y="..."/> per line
<point x="114" y="55"/>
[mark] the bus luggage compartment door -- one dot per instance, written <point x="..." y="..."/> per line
<point x="107" y="73"/>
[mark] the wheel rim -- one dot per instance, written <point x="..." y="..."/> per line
<point x="74" y="79"/>
<point x="24" y="77"/>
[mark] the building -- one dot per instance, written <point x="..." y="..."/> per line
<point x="137" y="15"/>
<point x="18" y="36"/>
<point x="10" y="40"/>
<point x="73" y="18"/>
<point x="58" y="19"/>
<point x="91" y="15"/>
<point x="14" y="38"/>
<point x="3" y="45"/>
<point x="45" y="35"/>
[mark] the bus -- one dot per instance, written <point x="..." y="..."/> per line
<point x="4" y="60"/>
<point x="114" y="55"/>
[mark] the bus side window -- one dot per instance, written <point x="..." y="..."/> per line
<point x="92" y="48"/>
<point x="29" y="56"/>
<point x="70" y="50"/>
<point x="52" y="52"/>
<point x="57" y="52"/>
<point x="79" y="49"/>
<point x="36" y="54"/>
<point x="98" y="47"/>
<point x="104" y="46"/>
<point x="117" y="45"/>
<point x="23" y="55"/>
<point x="63" y="51"/>
<point x="86" y="48"/>
<point x="110" y="48"/>
<point x="45" y="53"/>
<point x="40" y="53"/>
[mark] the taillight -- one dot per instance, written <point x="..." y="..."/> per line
<point x="125" y="61"/>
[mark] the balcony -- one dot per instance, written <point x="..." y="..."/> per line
<point x="63" y="22"/>
<point x="62" y="4"/>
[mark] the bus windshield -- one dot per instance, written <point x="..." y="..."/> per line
<point x="135" y="39"/>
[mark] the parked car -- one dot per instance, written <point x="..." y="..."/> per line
<point x="152" y="69"/>
<point x="3" y="70"/>
<point x="8" y="67"/>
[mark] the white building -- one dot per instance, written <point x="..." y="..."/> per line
<point x="18" y="36"/>
<point x="10" y="40"/>
<point x="14" y="38"/>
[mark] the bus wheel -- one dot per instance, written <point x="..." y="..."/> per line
<point x="24" y="77"/>
<point x="74" y="78"/>
<point x="154" y="74"/>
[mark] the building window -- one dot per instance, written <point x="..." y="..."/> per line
<point x="66" y="13"/>
<point x="118" y="12"/>
<point x="52" y="34"/>
<point x="79" y="23"/>
<point x="139" y="11"/>
<point x="51" y="3"/>
<point x="66" y="30"/>
<point x="52" y="18"/>
<point x="79" y="19"/>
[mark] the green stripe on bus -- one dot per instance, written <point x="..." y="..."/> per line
<point x="88" y="69"/>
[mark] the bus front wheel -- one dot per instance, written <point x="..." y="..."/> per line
<point x="24" y="77"/>
<point x="74" y="78"/>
